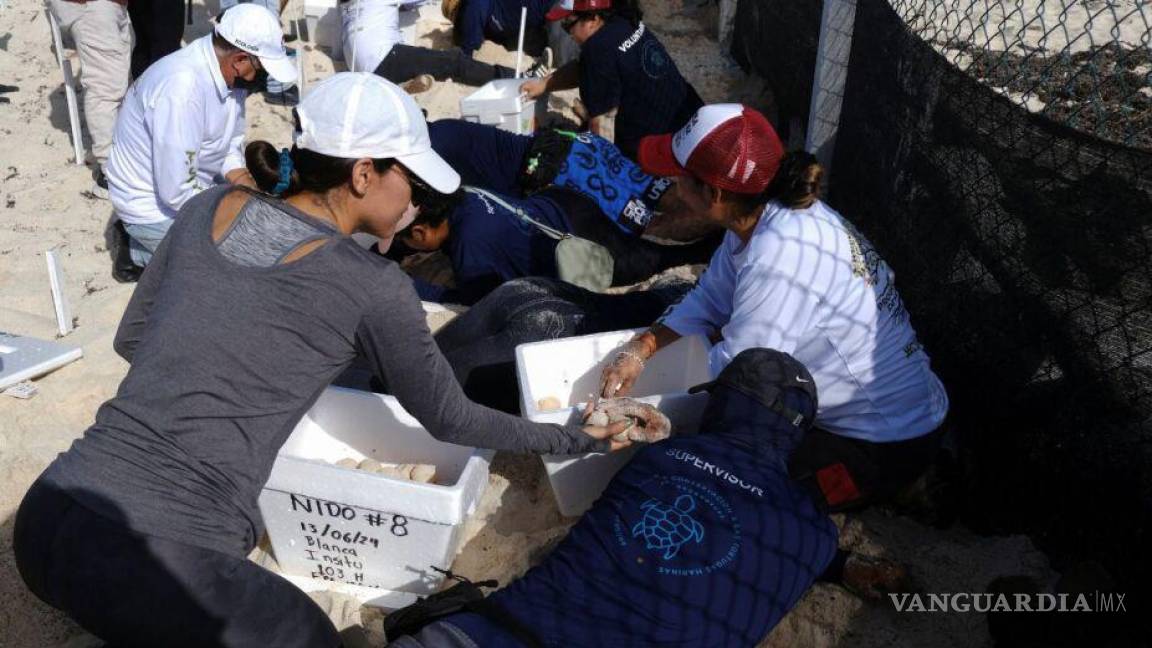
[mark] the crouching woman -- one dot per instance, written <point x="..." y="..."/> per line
<point x="251" y="306"/>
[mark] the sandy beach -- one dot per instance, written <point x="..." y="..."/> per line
<point x="44" y="205"/>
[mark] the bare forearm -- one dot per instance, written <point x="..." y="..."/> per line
<point x="604" y="125"/>
<point x="655" y="338"/>
<point x="566" y="77"/>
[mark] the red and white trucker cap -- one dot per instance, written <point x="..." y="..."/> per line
<point x="728" y="146"/>
<point x="566" y="8"/>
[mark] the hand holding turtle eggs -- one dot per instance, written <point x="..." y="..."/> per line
<point x="649" y="424"/>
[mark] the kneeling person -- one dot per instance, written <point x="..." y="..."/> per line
<point x="520" y="165"/>
<point x="181" y="127"/>
<point x="491" y="239"/>
<point x="699" y="541"/>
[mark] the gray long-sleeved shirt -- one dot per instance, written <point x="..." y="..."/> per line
<point x="227" y="358"/>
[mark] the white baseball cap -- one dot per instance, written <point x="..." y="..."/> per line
<point x="360" y="115"/>
<point x="257" y="31"/>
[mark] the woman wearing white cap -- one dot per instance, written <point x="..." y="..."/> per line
<point x="249" y="309"/>
<point x="794" y="275"/>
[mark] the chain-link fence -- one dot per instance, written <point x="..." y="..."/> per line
<point x="1084" y="63"/>
<point x="999" y="154"/>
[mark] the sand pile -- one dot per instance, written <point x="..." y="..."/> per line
<point x="43" y="206"/>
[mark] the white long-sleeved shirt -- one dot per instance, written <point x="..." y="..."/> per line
<point x="809" y="284"/>
<point x="370" y="29"/>
<point x="180" y="129"/>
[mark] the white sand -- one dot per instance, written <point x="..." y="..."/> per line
<point x="42" y="206"/>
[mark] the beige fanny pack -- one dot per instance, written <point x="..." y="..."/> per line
<point x="578" y="261"/>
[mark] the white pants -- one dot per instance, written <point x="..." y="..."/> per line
<point x="102" y="33"/>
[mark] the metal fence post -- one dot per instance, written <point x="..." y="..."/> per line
<point x="835" y="45"/>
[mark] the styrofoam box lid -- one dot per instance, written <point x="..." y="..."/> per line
<point x="24" y="358"/>
<point x="346" y="423"/>
<point x="569" y="369"/>
<point x="500" y="96"/>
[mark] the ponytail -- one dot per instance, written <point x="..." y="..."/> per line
<point x="284" y="173"/>
<point x="797" y="181"/>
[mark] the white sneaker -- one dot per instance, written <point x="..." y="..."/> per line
<point x="542" y="67"/>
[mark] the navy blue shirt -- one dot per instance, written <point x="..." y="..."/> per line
<point x="496" y="20"/>
<point x="625" y="67"/>
<point x="484" y="156"/>
<point x="698" y="541"/>
<point x="489" y="245"/>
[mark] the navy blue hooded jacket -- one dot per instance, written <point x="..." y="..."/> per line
<point x="489" y="245"/>
<point x="699" y="541"/>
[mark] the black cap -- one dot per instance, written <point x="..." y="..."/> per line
<point x="764" y="374"/>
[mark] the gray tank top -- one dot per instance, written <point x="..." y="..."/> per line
<point x="262" y="235"/>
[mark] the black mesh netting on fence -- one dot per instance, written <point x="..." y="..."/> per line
<point x="999" y="154"/>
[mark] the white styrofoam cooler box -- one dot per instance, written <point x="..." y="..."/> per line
<point x="498" y="103"/>
<point x="569" y="370"/>
<point x="364" y="529"/>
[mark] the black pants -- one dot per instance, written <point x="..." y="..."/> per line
<point x="535" y="40"/>
<point x="636" y="258"/>
<point x="481" y="344"/>
<point x="131" y="589"/>
<point x="846" y="474"/>
<point x="159" y="26"/>
<point x="405" y="62"/>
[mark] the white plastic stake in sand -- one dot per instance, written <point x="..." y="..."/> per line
<point x="56" y="278"/>
<point x="836" y="24"/>
<point x="520" y="40"/>
<point x="23" y="358"/>
<point x="301" y="82"/>
<point x="69" y="87"/>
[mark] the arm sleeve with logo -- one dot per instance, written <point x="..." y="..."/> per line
<point x="176" y="123"/>
<point x="708" y="306"/>
<point x="473" y="15"/>
<point x="395" y="337"/>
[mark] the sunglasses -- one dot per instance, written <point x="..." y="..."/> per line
<point x="422" y="192"/>
<point x="568" y="23"/>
